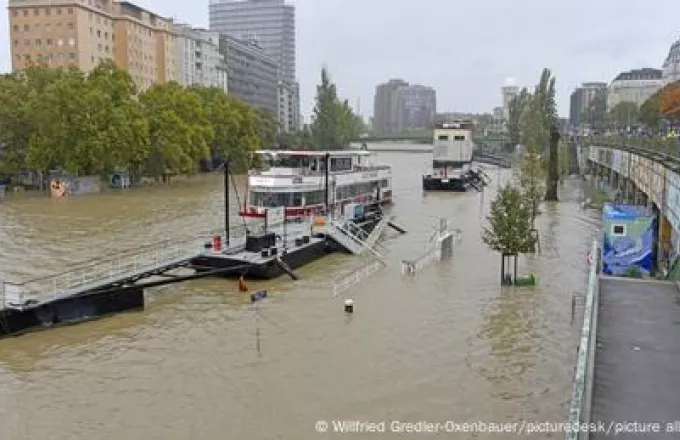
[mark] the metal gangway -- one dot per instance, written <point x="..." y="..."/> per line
<point x="125" y="268"/>
<point x="358" y="241"/>
<point x="439" y="246"/>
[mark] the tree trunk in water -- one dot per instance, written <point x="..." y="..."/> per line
<point x="553" y="166"/>
<point x="502" y="268"/>
<point x="515" y="278"/>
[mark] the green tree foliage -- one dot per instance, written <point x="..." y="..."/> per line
<point x="180" y="133"/>
<point x="624" y="114"/>
<point x="98" y="122"/>
<point x="509" y="228"/>
<point x="334" y="124"/>
<point x="650" y="111"/>
<point x="515" y="111"/>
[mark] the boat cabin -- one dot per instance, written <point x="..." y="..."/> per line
<point x="296" y="180"/>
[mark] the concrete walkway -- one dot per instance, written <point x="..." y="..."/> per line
<point x="637" y="363"/>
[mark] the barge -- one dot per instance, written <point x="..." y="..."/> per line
<point x="300" y="206"/>
<point x="452" y="156"/>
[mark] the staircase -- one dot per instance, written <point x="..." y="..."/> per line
<point x="355" y="239"/>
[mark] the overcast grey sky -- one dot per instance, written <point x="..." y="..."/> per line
<point x="464" y="49"/>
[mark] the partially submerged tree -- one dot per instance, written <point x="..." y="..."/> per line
<point x="509" y="229"/>
<point x="334" y="124"/>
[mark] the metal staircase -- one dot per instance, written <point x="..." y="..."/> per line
<point x="358" y="241"/>
<point x="353" y="238"/>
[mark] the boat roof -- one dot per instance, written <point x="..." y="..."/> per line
<point x="314" y="153"/>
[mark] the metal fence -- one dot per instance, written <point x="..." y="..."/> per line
<point x="580" y="408"/>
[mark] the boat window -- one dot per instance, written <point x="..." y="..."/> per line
<point x="459" y="138"/>
<point x="362" y="189"/>
<point x="287" y="161"/>
<point x="341" y="164"/>
<point x="443" y="137"/>
<point x="272" y="200"/>
<point x="384" y="183"/>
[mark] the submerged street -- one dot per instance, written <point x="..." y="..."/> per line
<point x="450" y="344"/>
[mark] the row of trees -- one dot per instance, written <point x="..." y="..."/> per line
<point x="99" y="122"/>
<point x="334" y="123"/>
<point x="96" y="123"/>
<point x="533" y="123"/>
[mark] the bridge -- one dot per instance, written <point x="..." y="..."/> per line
<point x="629" y="354"/>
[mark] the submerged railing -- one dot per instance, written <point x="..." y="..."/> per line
<point x="581" y="399"/>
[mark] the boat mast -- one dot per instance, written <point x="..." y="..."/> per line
<point x="226" y="200"/>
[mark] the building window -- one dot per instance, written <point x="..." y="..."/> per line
<point x="27" y="57"/>
<point x="27" y="43"/>
<point x="58" y="11"/>
<point x="25" y="11"/>
<point x="16" y="28"/>
<point x="49" y="42"/>
<point x="70" y="25"/>
<point x="71" y="42"/>
<point x="72" y="56"/>
<point x="70" y="10"/>
<point x="48" y="11"/>
<point x="16" y="43"/>
<point x="38" y="42"/>
<point x="60" y="42"/>
<point x="99" y="33"/>
<point x="26" y="28"/>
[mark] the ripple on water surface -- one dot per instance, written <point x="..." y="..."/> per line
<point x="450" y="344"/>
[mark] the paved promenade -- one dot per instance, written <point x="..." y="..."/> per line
<point x="637" y="363"/>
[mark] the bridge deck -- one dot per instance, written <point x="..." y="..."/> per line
<point x="637" y="363"/>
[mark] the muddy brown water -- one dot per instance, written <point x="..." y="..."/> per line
<point x="450" y="344"/>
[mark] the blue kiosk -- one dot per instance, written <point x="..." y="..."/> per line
<point x="628" y="237"/>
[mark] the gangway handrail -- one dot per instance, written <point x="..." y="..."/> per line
<point x="581" y="400"/>
<point x="79" y="265"/>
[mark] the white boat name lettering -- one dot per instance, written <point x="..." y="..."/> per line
<point x="369" y="175"/>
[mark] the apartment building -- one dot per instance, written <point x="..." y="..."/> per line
<point x="81" y="33"/>
<point x="252" y="75"/>
<point x="199" y="59"/>
<point x="399" y="106"/>
<point x="269" y="23"/>
<point x="288" y="116"/>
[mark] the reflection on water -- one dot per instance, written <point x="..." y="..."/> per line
<point x="450" y="344"/>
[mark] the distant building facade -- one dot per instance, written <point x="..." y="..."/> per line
<point x="288" y="114"/>
<point x="398" y="106"/>
<point x="508" y="93"/>
<point x="417" y="106"/>
<point x="199" y="59"/>
<point x="671" y="65"/>
<point x="581" y="99"/>
<point x="251" y="75"/>
<point x="271" y="23"/>
<point x="83" y="33"/>
<point x="634" y="86"/>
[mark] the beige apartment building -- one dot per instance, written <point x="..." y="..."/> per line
<point x="81" y="33"/>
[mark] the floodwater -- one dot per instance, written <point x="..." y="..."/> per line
<point x="201" y="363"/>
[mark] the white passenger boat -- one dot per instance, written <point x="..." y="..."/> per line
<point x="301" y="182"/>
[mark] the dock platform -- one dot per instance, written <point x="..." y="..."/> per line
<point x="637" y="357"/>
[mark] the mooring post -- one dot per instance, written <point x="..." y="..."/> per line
<point x="226" y="201"/>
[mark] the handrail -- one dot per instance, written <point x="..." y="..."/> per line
<point x="662" y="149"/>
<point x="581" y="399"/>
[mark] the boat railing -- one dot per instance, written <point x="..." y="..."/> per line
<point x="277" y="174"/>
